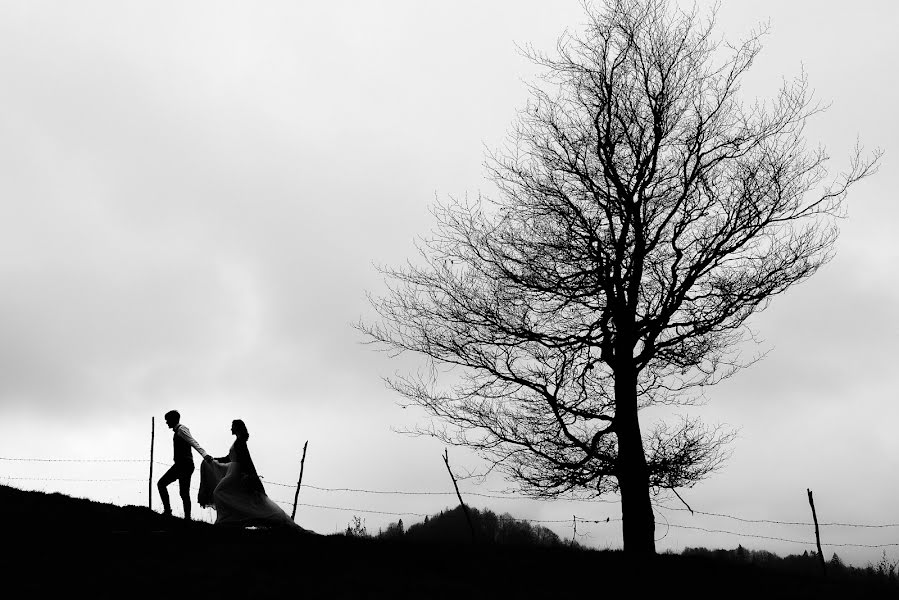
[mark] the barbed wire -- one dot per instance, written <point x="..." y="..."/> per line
<point x="576" y="518"/>
<point x="381" y="512"/>
<point x="495" y="494"/>
<point x="491" y="493"/>
<point x="803" y="523"/>
<point x="766" y="537"/>
<point x="91" y="460"/>
<point x="359" y="490"/>
<point x="65" y="479"/>
<point x="348" y="509"/>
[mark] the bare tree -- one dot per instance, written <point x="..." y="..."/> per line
<point x="644" y="214"/>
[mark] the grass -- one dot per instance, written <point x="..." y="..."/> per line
<point x="56" y="544"/>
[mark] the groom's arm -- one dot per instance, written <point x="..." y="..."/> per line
<point x="184" y="432"/>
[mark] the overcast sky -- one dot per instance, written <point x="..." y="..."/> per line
<point x="193" y="196"/>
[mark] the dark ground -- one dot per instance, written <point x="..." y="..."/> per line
<point x="55" y="544"/>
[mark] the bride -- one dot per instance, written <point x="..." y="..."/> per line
<point x="231" y="485"/>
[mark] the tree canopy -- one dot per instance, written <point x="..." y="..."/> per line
<point x="644" y="213"/>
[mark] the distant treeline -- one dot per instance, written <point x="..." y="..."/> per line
<point x="78" y="536"/>
<point x="886" y="569"/>
<point x="452" y="526"/>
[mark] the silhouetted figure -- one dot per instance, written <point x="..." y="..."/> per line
<point x="231" y="485"/>
<point x="183" y="468"/>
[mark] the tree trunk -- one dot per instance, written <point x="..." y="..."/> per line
<point x="638" y="521"/>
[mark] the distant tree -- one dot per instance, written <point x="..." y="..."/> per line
<point x="356" y="528"/>
<point x="451" y="525"/>
<point x="836" y="564"/>
<point x="886" y="567"/>
<point x="393" y="531"/>
<point x="763" y="557"/>
<point x="644" y="215"/>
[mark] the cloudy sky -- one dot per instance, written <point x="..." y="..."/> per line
<point x="193" y="196"/>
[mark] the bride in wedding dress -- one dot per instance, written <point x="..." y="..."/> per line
<point x="231" y="485"/>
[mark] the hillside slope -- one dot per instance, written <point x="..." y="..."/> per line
<point x="61" y="545"/>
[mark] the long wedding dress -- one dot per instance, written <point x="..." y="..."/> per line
<point x="230" y="484"/>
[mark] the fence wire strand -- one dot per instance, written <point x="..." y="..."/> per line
<point x="495" y="494"/>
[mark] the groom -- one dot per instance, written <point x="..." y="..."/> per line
<point x="183" y="468"/>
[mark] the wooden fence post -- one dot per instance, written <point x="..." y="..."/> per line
<point x="152" y="438"/>
<point x="299" y="483"/>
<point x="811" y="502"/>
<point x="455" y="485"/>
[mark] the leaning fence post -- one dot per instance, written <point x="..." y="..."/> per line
<point x="574" y="529"/>
<point x="152" y="437"/>
<point x="811" y="502"/>
<point x="299" y="483"/>
<point x="455" y="485"/>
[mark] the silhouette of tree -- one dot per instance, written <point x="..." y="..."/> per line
<point x="356" y="528"/>
<point x="394" y="530"/>
<point x="452" y="526"/>
<point x="836" y="564"/>
<point x="644" y="213"/>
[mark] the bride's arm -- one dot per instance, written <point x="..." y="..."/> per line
<point x="224" y="459"/>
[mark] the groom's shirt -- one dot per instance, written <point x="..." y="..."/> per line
<point x="183" y="442"/>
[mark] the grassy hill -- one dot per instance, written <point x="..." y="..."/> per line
<point x="56" y="544"/>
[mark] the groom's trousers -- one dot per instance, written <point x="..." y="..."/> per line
<point x="182" y="474"/>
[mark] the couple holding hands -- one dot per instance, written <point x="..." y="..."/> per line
<point x="230" y="484"/>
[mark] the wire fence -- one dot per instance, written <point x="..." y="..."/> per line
<point x="663" y="522"/>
